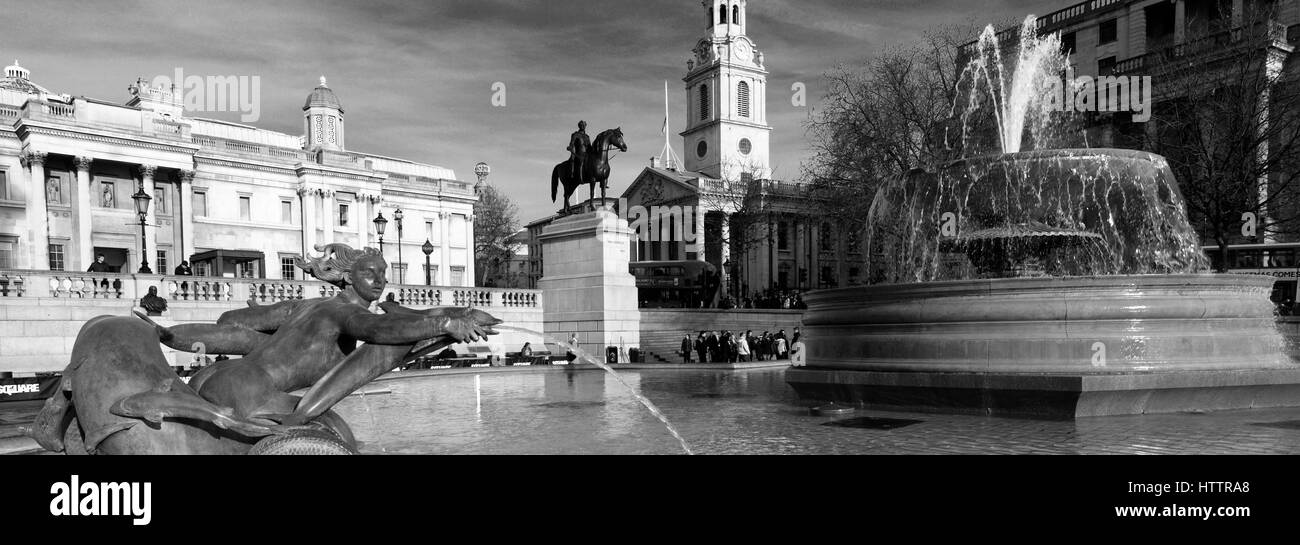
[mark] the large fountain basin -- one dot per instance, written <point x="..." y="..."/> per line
<point x="1038" y="345"/>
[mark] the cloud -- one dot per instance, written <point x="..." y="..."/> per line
<point x="416" y="77"/>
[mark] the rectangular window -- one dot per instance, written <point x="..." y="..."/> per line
<point x="56" y="257"/>
<point x="432" y="272"/>
<point x="245" y="208"/>
<point x="286" y="211"/>
<point x="160" y="200"/>
<point x="288" y="270"/>
<point x="203" y="268"/>
<point x="7" y="246"/>
<point x="428" y="230"/>
<point x="1068" y="43"/>
<point x="4" y="185"/>
<point x="1105" y="66"/>
<point x="162" y="262"/>
<point x="200" y="203"/>
<point x="1109" y="31"/>
<point x="782" y="236"/>
<point x="457" y="275"/>
<point x="343" y="214"/>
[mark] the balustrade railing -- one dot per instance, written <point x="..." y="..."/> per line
<point x="131" y="287"/>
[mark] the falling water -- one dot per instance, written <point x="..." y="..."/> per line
<point x="583" y="355"/>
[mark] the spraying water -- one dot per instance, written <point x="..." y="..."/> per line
<point x="583" y="355"/>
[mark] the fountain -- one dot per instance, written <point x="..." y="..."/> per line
<point x="1051" y="282"/>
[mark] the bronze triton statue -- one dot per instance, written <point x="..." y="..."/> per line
<point x="587" y="164"/>
<point x="119" y="395"/>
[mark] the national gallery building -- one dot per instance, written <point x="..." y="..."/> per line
<point x="234" y="200"/>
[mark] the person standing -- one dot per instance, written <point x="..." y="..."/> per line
<point x="742" y="348"/>
<point x="99" y="266"/>
<point x="184" y="269"/>
<point x="686" y="348"/>
<point x="712" y="343"/>
<point x="781" y="348"/>
<point x="573" y="344"/>
<point x="702" y="347"/>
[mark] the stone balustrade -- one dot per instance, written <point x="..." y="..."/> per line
<point x="87" y="285"/>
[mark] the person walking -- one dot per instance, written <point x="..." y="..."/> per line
<point x="686" y="349"/>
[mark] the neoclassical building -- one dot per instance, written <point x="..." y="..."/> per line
<point x="760" y="234"/>
<point x="234" y="200"/>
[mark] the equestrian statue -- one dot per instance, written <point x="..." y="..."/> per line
<point x="588" y="163"/>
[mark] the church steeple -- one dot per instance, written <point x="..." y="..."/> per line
<point x="726" y="90"/>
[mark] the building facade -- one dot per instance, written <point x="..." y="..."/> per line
<point x="762" y="235"/>
<point x="234" y="200"/>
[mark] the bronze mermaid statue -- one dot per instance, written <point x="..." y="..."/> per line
<point x="118" y="394"/>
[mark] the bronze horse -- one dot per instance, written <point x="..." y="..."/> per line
<point x="597" y="167"/>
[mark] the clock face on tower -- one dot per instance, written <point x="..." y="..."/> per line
<point x="743" y="51"/>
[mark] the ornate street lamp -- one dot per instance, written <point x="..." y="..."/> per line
<point x="380" y="225"/>
<point x="428" y="273"/>
<point x="401" y="270"/>
<point x="142" y="209"/>
<point x="481" y="170"/>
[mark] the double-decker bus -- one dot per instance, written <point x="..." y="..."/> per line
<point x="675" y="284"/>
<point x="1277" y="260"/>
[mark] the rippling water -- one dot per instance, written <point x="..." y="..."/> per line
<point x="583" y="411"/>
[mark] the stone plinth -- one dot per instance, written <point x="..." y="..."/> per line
<point x="587" y="287"/>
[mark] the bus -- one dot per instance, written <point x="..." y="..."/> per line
<point x="675" y="284"/>
<point x="1277" y="260"/>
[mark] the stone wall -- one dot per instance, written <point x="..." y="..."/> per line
<point x="42" y="312"/>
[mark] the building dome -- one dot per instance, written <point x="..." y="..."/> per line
<point x="17" y="78"/>
<point x="322" y="97"/>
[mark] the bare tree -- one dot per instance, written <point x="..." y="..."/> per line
<point x="1230" y="128"/>
<point x="883" y="118"/>
<point x="495" y="222"/>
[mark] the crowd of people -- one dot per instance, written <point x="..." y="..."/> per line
<point x="770" y="299"/>
<point x="725" y="347"/>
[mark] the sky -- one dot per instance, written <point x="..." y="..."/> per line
<point x="417" y="78"/>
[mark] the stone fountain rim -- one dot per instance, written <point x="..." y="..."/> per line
<point x="1083" y="284"/>
<point x="1060" y="153"/>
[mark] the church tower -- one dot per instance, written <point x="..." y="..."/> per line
<point x="323" y="119"/>
<point x="727" y="133"/>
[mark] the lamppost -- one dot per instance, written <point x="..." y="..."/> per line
<point x="142" y="209"/>
<point x="380" y="225"/>
<point x="401" y="266"/>
<point x="428" y="270"/>
<point x="481" y="170"/>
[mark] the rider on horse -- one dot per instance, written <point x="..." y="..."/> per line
<point x="579" y="146"/>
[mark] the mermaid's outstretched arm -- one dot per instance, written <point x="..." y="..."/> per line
<point x="266" y="318"/>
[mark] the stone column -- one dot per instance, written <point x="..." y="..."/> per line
<point x="187" y="217"/>
<point x="444" y="249"/>
<point x="150" y="251"/>
<point x="328" y="209"/>
<point x="814" y="268"/>
<point x="363" y="214"/>
<point x="85" y="247"/>
<point x="308" y="197"/>
<point x="1180" y="21"/>
<point x="469" y="245"/>
<point x="800" y="251"/>
<point x="38" y="222"/>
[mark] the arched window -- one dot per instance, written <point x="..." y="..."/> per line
<point x="735" y="14"/>
<point x="722" y="14"/>
<point x="742" y="98"/>
<point x="704" y="103"/>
